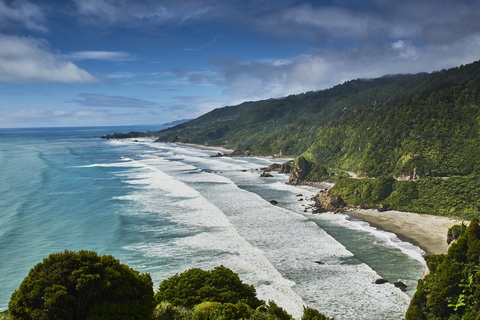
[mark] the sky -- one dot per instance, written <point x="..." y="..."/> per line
<point x="130" y="62"/>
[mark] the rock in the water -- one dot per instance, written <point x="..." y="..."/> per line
<point x="319" y="262"/>
<point x="382" y="208"/>
<point x="402" y="286"/>
<point x="273" y="202"/>
<point x="380" y="281"/>
<point x="265" y="175"/>
<point x="217" y="155"/>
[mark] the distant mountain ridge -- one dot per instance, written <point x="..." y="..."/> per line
<point x="176" y="122"/>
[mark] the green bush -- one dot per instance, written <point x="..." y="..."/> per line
<point x="313" y="314"/>
<point x="194" y="286"/>
<point x="82" y="285"/>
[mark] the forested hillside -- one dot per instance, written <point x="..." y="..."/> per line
<point x="377" y="126"/>
<point x="288" y="125"/>
<point x="423" y="123"/>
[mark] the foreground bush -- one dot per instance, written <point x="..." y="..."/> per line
<point x="195" y="286"/>
<point x="82" y="285"/>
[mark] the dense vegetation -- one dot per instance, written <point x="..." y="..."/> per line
<point x="435" y="132"/>
<point x="195" y="286"/>
<point x="305" y="172"/>
<point x="455" y="196"/>
<point x="83" y="285"/>
<point x="218" y="294"/>
<point x="452" y="289"/>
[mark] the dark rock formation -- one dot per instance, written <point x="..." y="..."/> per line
<point x="319" y="262"/>
<point x="285" y="168"/>
<point x="380" y="281"/>
<point x="280" y="168"/>
<point x="326" y="203"/>
<point x="265" y="175"/>
<point x="402" y="286"/>
<point x="217" y="155"/>
<point x="273" y="202"/>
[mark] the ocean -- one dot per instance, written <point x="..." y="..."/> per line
<point x="164" y="208"/>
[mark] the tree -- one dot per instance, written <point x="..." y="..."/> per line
<point x="82" y="285"/>
<point x="194" y="286"/>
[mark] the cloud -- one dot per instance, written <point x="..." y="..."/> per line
<point x="28" y="60"/>
<point x="100" y="55"/>
<point x="24" y="13"/>
<point x="106" y="101"/>
<point x="260" y="79"/>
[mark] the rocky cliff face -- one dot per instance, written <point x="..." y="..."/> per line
<point x="280" y="168"/>
<point x="298" y="174"/>
<point x="327" y="203"/>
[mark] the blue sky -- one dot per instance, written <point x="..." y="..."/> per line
<point x="127" y="62"/>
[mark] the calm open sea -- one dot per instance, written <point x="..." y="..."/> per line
<point x="163" y="208"/>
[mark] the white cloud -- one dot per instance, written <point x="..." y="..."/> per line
<point x="253" y="80"/>
<point x="28" y="60"/>
<point x="100" y="55"/>
<point x="22" y="12"/>
<point x="335" y="20"/>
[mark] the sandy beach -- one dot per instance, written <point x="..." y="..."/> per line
<point x="426" y="231"/>
<point x="199" y="146"/>
<point x="228" y="151"/>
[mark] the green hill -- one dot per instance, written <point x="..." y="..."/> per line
<point x="423" y="123"/>
<point x="376" y="126"/>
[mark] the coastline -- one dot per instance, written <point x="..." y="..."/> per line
<point x="428" y="232"/>
<point x="229" y="151"/>
<point x="210" y="148"/>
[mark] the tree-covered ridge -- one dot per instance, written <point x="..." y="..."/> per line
<point x="292" y="124"/>
<point x="435" y="133"/>
<point x="452" y="289"/>
<point x="267" y="128"/>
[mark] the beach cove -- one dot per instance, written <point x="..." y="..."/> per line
<point x="429" y="232"/>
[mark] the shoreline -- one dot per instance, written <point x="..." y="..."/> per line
<point x="210" y="148"/>
<point x="229" y="151"/>
<point x="428" y="232"/>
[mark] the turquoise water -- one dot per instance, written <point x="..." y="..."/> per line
<point x="163" y="208"/>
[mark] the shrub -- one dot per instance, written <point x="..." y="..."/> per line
<point x="82" y="285"/>
<point x="194" y="286"/>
